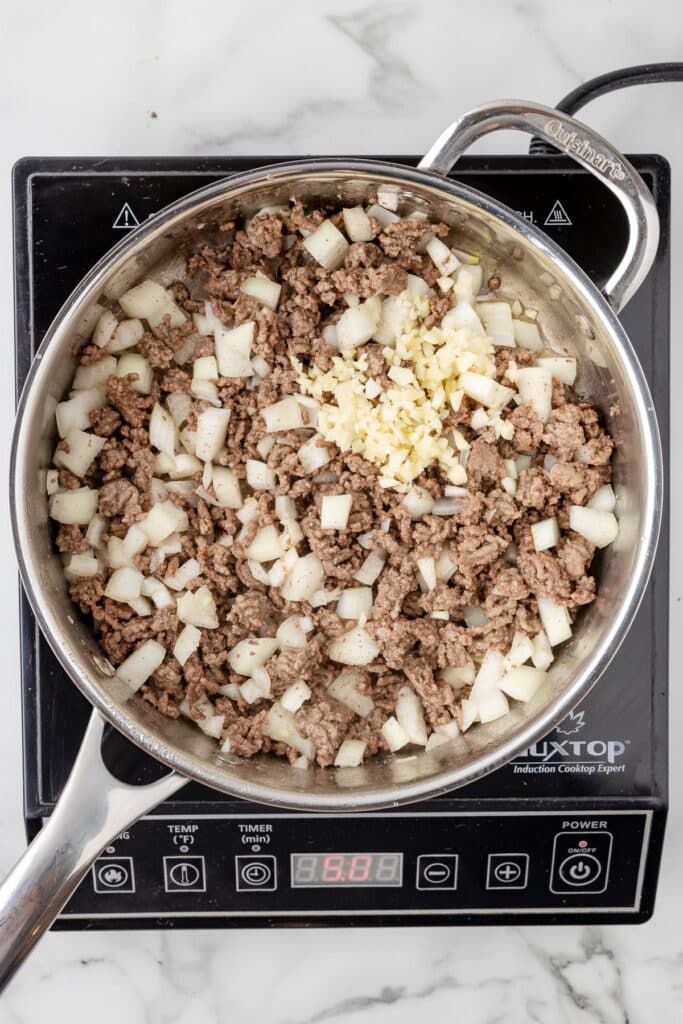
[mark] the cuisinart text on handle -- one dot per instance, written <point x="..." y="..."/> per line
<point x="572" y="142"/>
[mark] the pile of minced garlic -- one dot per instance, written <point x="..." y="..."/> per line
<point x="400" y="428"/>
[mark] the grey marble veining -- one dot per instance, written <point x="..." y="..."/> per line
<point x="344" y="77"/>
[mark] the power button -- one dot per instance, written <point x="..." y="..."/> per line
<point x="581" y="862"/>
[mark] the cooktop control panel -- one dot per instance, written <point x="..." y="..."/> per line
<point x="237" y="867"/>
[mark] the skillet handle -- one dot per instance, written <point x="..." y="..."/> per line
<point x="92" y="810"/>
<point x="590" y="150"/>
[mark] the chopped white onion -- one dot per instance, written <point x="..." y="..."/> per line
<point x="69" y="507"/>
<point x="205" y="368"/>
<point x="198" y="609"/>
<point x="445" y="261"/>
<point x="335" y="510"/>
<point x="541" y="652"/>
<point x="521" y="682"/>
<point x="51" y="481"/>
<point x="458" y="676"/>
<point x="74" y="414"/>
<point x="345" y="689"/>
<point x="492" y="705"/>
<point x="94" y="375"/>
<point x="604" y="499"/>
<point x="418" y="502"/>
<point x="257" y="687"/>
<point x="355" y="603"/>
<point x="226" y="487"/>
<point x="445" y="566"/>
<point x="600" y="528"/>
<point x="83" y="448"/>
<point x="350" y="754"/>
<point x="563" y="368"/>
<point x="251" y="653"/>
<point x="292" y="632"/>
<point x="124" y="584"/>
<point x="448" y="506"/>
<point x="527" y="335"/>
<point x="357" y="224"/>
<point x="410" y="715"/>
<point x="313" y="456"/>
<point x="141" y="606"/>
<point x="521" y="650"/>
<point x="96" y="530"/>
<point x="285" y="508"/>
<point x="295" y="695"/>
<point x="426" y="568"/>
<point x="381" y="214"/>
<point x="206" y="391"/>
<point x="327" y="245"/>
<point x="497" y="319"/>
<point x="394" y="734"/>
<point x="304" y="578"/>
<point x="371" y="568"/>
<point x="185" y="573"/>
<point x="233" y="350"/>
<point x="443" y="734"/>
<point x="358" y="324"/>
<point x="139" y="666"/>
<point x="163" y="520"/>
<point x="162" y="430"/>
<point x="104" y="329"/>
<point x="535" y="385"/>
<point x="395" y="310"/>
<point x="556" y="621"/>
<point x="154" y="588"/>
<point x="545" y="534"/>
<point x="151" y="302"/>
<point x="280" y="725"/>
<point x="186" y="644"/>
<point x="474" y="616"/>
<point x="283" y="415"/>
<point x="127" y="334"/>
<point x="212" y="427"/>
<point x="260" y="476"/>
<point x="82" y="565"/>
<point x="485" y="390"/>
<point x="267" y="545"/>
<point x="353" y="648"/>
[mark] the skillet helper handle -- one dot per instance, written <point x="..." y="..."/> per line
<point x="92" y="810"/>
<point x="590" y="150"/>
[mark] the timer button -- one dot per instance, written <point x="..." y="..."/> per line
<point x="437" y="871"/>
<point x="255" y="873"/>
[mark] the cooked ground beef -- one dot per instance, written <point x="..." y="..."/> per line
<point x="420" y="631"/>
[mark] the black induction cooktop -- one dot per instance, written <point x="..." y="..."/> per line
<point x="571" y="830"/>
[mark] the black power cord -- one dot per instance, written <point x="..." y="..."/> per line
<point x="639" y="74"/>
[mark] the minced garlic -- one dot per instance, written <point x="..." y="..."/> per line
<point x="400" y="429"/>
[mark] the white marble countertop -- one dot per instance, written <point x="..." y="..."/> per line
<point x="329" y="76"/>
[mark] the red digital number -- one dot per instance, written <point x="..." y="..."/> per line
<point x="333" y="868"/>
<point x="361" y="866"/>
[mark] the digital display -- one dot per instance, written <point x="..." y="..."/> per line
<point x="372" y="870"/>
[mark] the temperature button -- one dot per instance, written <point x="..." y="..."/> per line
<point x="255" y="873"/>
<point x="184" y="874"/>
<point x="581" y="863"/>
<point x="437" y="871"/>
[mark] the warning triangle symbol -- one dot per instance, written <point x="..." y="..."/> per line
<point x="558" y="216"/>
<point x="125" y="219"/>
